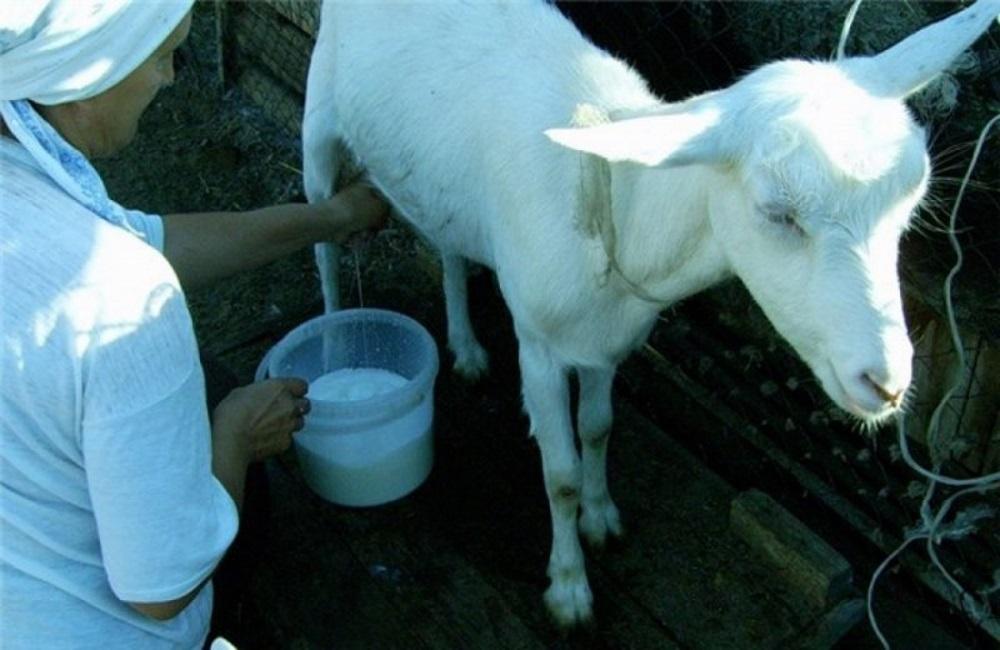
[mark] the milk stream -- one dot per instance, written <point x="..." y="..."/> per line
<point x="361" y="299"/>
<point x="357" y="277"/>
<point x="328" y="343"/>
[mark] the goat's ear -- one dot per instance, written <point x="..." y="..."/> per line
<point x="666" y="139"/>
<point x="908" y="66"/>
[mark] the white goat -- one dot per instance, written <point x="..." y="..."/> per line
<point x="799" y="179"/>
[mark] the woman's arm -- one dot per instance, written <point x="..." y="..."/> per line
<point x="208" y="246"/>
<point x="251" y="423"/>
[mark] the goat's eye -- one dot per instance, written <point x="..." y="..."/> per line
<point x="783" y="216"/>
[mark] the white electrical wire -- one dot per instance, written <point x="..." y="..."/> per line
<point x="930" y="529"/>
<point x="955" y="336"/>
<point x="846" y="29"/>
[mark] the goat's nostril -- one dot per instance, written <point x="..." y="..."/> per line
<point x="892" y="397"/>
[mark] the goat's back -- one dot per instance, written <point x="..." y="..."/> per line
<point x="446" y="105"/>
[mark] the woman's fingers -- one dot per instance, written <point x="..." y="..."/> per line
<point x="296" y="387"/>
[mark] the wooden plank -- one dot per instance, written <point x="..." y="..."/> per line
<point x="268" y="329"/>
<point x="680" y="560"/>
<point x="311" y="590"/>
<point x="833" y="625"/>
<point x="799" y="557"/>
<point x="221" y="25"/>
<point x="710" y="403"/>
<point x="263" y="38"/>
<point x="303" y="13"/>
<point x="279" y="103"/>
<point x="436" y="596"/>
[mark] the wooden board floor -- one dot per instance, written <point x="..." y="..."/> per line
<point x="460" y="563"/>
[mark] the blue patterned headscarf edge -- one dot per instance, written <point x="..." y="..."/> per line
<point x="62" y="162"/>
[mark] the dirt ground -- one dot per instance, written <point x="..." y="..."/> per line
<point x="201" y="149"/>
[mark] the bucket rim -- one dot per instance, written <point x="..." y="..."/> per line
<point x="377" y="406"/>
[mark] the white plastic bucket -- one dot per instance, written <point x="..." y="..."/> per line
<point x="374" y="450"/>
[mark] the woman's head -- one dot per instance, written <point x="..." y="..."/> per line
<point x="91" y="67"/>
<point x="105" y="123"/>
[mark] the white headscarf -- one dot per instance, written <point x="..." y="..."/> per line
<point x="59" y="51"/>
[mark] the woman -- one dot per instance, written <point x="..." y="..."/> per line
<point x="119" y="493"/>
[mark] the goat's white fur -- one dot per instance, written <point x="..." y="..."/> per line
<point x="799" y="179"/>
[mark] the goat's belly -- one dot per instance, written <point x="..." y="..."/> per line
<point x="449" y="231"/>
<point x="464" y="241"/>
<point x="444" y="199"/>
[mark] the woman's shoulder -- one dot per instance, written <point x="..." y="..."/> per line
<point x="61" y="257"/>
<point x="57" y="231"/>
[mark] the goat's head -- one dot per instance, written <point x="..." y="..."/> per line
<point x="819" y="168"/>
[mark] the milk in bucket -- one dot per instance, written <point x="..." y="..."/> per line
<point x="353" y="384"/>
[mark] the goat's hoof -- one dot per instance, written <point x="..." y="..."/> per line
<point x="472" y="363"/>
<point x="598" y="524"/>
<point x="570" y="602"/>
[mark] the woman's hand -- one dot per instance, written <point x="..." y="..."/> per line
<point x="259" y="419"/>
<point x="355" y="210"/>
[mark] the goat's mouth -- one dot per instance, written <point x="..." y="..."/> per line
<point x="868" y="405"/>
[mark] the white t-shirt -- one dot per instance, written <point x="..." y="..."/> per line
<point x="106" y="487"/>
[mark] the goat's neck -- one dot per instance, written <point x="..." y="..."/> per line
<point x="664" y="243"/>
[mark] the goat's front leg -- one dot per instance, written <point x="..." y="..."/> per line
<point x="471" y="360"/>
<point x="599" y="514"/>
<point x="546" y="398"/>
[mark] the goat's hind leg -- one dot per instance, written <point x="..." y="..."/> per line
<point x="322" y="154"/>
<point x="471" y="360"/>
<point x="546" y="398"/>
<point x="599" y="515"/>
